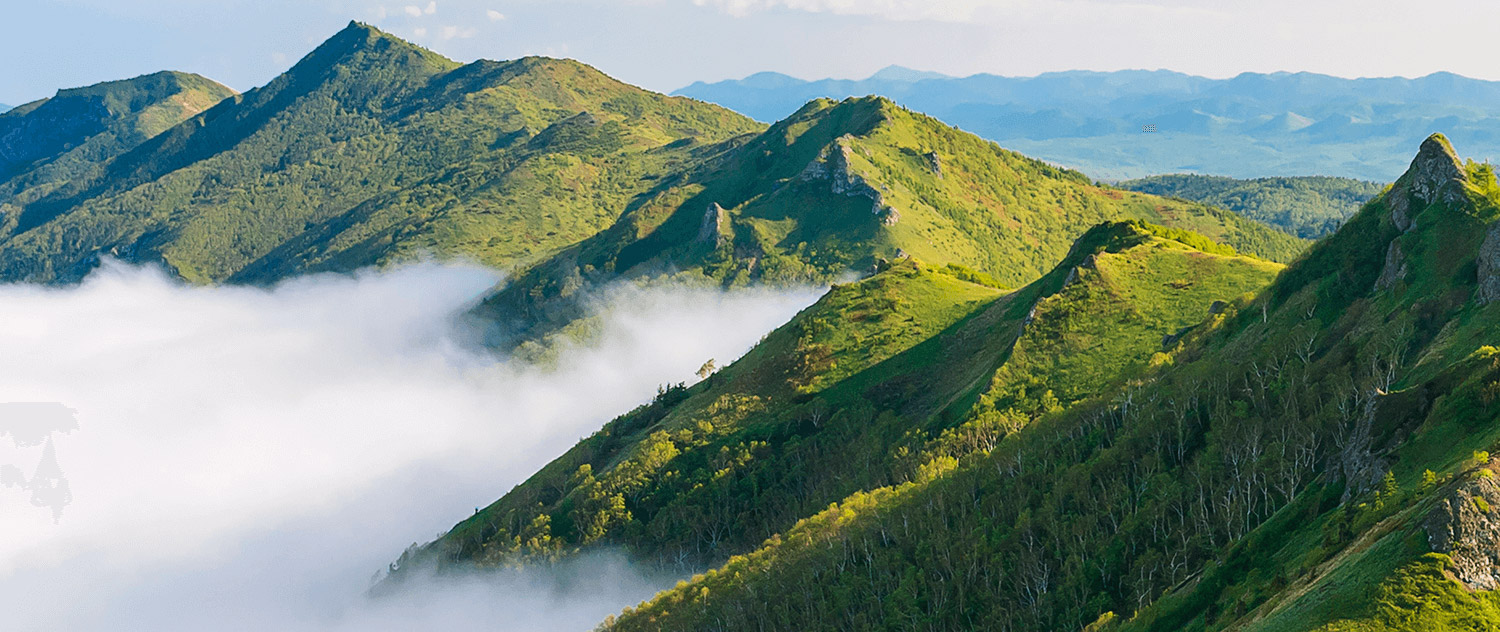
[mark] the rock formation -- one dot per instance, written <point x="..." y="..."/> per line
<point x="1435" y="175"/>
<point x="1489" y="266"/>
<point x="1466" y="527"/>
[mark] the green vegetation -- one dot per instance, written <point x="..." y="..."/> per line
<point x="46" y="144"/>
<point x="1270" y="468"/>
<point x="1308" y="207"/>
<point x="885" y="384"/>
<point x="370" y="150"/>
<point x="839" y="185"/>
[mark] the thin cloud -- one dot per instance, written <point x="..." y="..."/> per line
<point x="454" y="32"/>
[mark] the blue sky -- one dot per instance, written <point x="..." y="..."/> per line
<point x="665" y="44"/>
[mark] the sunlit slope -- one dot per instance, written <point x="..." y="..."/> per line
<point x="882" y="382"/>
<point x="48" y="143"/>
<point x="1306" y="206"/>
<point x="371" y="150"/>
<point x="1286" y="465"/>
<point x="840" y="184"/>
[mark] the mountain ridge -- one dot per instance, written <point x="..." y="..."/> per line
<point x="303" y="174"/>
<point x="1093" y="121"/>
<point x="885" y="366"/>
<point x="837" y="186"/>
<point x="1334" y="426"/>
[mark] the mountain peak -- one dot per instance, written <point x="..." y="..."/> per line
<point x="356" y="30"/>
<point x="1435" y="175"/>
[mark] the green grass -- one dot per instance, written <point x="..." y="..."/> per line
<point x="975" y="206"/>
<point x="1165" y="498"/>
<point x="371" y="151"/>
<point x="1308" y="206"/>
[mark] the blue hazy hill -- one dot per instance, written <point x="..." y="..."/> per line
<point x="1251" y="125"/>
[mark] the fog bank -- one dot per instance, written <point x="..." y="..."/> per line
<point x="248" y="458"/>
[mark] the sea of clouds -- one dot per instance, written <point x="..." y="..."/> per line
<point x="249" y="458"/>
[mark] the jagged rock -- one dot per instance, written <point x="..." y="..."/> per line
<point x="1395" y="267"/>
<point x="1465" y="526"/>
<point x="832" y="164"/>
<point x="1489" y="266"/>
<point x="1435" y="175"/>
<point x="711" y="230"/>
<point x="935" y="163"/>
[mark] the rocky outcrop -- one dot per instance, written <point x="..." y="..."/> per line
<point x="832" y="165"/>
<point x="935" y="163"/>
<point x="1489" y="266"/>
<point x="1395" y="267"/>
<point x="1435" y="175"/>
<point x="1465" y="526"/>
<point x="711" y="231"/>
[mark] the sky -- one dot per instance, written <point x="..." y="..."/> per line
<point x="666" y="44"/>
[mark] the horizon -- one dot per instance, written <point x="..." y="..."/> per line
<point x="872" y="76"/>
<point x="75" y="43"/>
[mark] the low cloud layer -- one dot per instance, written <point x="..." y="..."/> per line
<point x="249" y="458"/>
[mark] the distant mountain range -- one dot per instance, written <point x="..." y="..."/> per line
<point x="4" y="107"/>
<point x="1134" y="123"/>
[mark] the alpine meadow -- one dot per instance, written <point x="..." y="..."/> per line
<point x="384" y="338"/>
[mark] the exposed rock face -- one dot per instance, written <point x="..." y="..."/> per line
<point x="1395" y="267"/>
<point x="1489" y="266"/>
<point x="1466" y="527"/>
<point x="1435" y="175"/>
<point x="935" y="163"/>
<point x="833" y="165"/>
<point x="711" y="230"/>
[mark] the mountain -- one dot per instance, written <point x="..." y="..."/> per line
<point x="45" y="144"/>
<point x="839" y="186"/>
<point x="1252" y="125"/>
<point x="4" y="108"/>
<point x="370" y="150"/>
<point x="884" y="381"/>
<point x="1308" y="206"/>
<point x="1312" y="456"/>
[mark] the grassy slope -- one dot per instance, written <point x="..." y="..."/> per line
<point x="69" y="136"/>
<point x="1309" y="206"/>
<point x="1206" y="495"/>
<point x="866" y="389"/>
<point x="799" y="205"/>
<point x="370" y="150"/>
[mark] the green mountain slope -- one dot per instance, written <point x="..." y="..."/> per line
<point x="47" y="143"/>
<point x="1308" y="207"/>
<point x="840" y="184"/>
<point x="883" y="382"/>
<point x="1309" y="458"/>
<point x="371" y="150"/>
